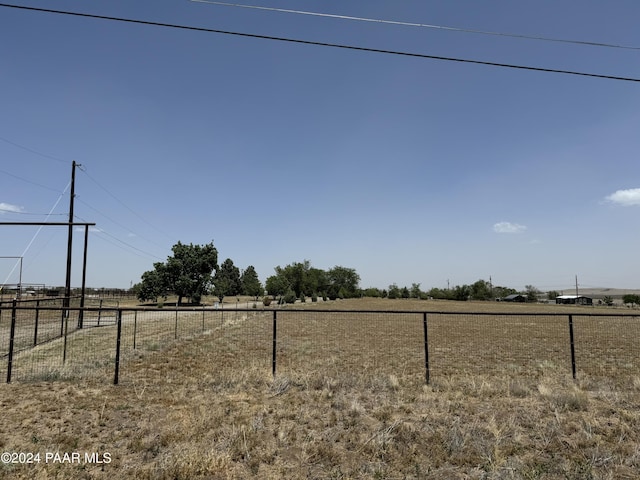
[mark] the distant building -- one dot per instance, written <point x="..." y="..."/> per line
<point x="574" y="300"/>
<point x="516" y="297"/>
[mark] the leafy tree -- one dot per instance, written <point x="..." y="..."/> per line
<point x="276" y="285"/>
<point x="415" y="291"/>
<point x="372" y="292"/>
<point x="439" y="293"/>
<point x="633" y="299"/>
<point x="552" y="295"/>
<point x="230" y="274"/>
<point x="481" y="290"/>
<point x="501" y="292"/>
<point x="345" y="280"/>
<point x="404" y="293"/>
<point x="394" y="291"/>
<point x="461" y="293"/>
<point x="251" y="283"/>
<point x="607" y="300"/>
<point x="187" y="273"/>
<point x="153" y="284"/>
<point x="221" y="287"/>
<point x="532" y="293"/>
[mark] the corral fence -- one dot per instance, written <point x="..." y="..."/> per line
<point x="44" y="342"/>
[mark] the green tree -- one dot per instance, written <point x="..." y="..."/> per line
<point x="276" y="285"/>
<point x="532" y="293"/>
<point x="633" y="299"/>
<point x="187" y="273"/>
<point x="552" y="295"/>
<point x="481" y="290"/>
<point x="607" y="300"/>
<point x="394" y="291"/>
<point x="461" y="292"/>
<point x="415" y="291"/>
<point x="343" y="280"/>
<point x="231" y="275"/>
<point x="153" y="284"/>
<point x="251" y="283"/>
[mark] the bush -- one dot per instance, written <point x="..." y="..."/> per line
<point x="289" y="297"/>
<point x="314" y="297"/>
<point x="302" y="298"/>
<point x="266" y="301"/>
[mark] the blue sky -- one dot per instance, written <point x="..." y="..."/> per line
<point x="406" y="169"/>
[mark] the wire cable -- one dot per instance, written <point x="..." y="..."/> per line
<point x="126" y="206"/>
<point x="325" y="44"/>
<point x="421" y="25"/>
<point x="44" y="155"/>
<point x="29" y="181"/>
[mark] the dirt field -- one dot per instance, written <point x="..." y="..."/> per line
<point x="348" y="401"/>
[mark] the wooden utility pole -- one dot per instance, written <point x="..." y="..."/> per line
<point x="67" y="288"/>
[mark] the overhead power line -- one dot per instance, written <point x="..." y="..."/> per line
<point x="44" y="155"/>
<point x="325" y="44"/>
<point x="421" y="25"/>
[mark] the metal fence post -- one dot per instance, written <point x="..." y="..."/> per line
<point x="273" y="356"/>
<point x="35" y="328"/>
<point x="135" y="328"/>
<point x="426" y="348"/>
<point x="573" y="348"/>
<point x="118" y="335"/>
<point x="12" y="335"/>
<point x="66" y="332"/>
<point x="175" y="335"/>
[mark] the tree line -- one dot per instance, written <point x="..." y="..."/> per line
<point x="192" y="271"/>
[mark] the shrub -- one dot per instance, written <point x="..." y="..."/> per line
<point x="289" y="297"/>
<point x="314" y="297"/>
<point x="266" y="301"/>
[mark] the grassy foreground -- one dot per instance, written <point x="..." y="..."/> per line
<point x="184" y="417"/>
<point x="208" y="408"/>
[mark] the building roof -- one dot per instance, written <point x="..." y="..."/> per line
<point x="567" y="297"/>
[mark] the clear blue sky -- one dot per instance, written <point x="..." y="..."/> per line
<point x="406" y="169"/>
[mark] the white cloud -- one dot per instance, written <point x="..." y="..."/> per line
<point x="8" y="208"/>
<point x="626" y="198"/>
<point x="508" y="227"/>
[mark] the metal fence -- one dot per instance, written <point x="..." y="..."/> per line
<point x="44" y="343"/>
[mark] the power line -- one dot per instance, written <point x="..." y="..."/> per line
<point x="29" y="181"/>
<point x="325" y="44"/>
<point x="421" y="25"/>
<point x="124" y="205"/>
<point x="117" y="223"/>
<point x="44" y="155"/>
<point x="101" y="231"/>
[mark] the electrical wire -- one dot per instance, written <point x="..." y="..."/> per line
<point x="29" y="181"/>
<point x="44" y="155"/>
<point x="103" y="232"/>
<point x="325" y="44"/>
<point x="140" y="217"/>
<point x="117" y="223"/>
<point x="40" y="229"/>
<point x="421" y="25"/>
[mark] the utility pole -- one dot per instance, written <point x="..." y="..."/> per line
<point x="67" y="289"/>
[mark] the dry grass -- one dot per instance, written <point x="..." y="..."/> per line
<point x="349" y="401"/>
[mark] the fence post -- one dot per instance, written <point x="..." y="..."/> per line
<point x="99" y="311"/>
<point x="12" y="335"/>
<point x="426" y="347"/>
<point x="175" y="335"/>
<point x="273" y="356"/>
<point x="118" y="335"/>
<point x="573" y="348"/>
<point x="35" y="328"/>
<point x="66" y="331"/>
<point x="203" y="317"/>
<point x="135" y="328"/>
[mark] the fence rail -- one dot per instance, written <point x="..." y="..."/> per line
<point x="44" y="342"/>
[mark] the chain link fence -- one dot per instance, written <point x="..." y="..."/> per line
<point x="41" y="342"/>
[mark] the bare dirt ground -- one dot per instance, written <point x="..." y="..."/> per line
<point x="342" y="407"/>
